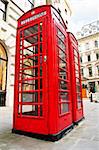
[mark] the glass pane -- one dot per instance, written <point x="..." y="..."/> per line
<point x="30" y="51"/>
<point x="30" y="97"/>
<point x="77" y="73"/>
<point x="62" y="74"/>
<point x="41" y="60"/>
<point x="2" y="52"/>
<point x="40" y="70"/>
<point x="62" y="55"/>
<point x="41" y="26"/>
<point x="76" y="60"/>
<point x="77" y="81"/>
<point x="2" y="75"/>
<point x="40" y="83"/>
<point x="78" y="96"/>
<point x="28" y="73"/>
<point x="61" y="35"/>
<point x="79" y="104"/>
<point x="64" y="107"/>
<point x="76" y="66"/>
<point x="75" y="53"/>
<point x="62" y="64"/>
<point x="19" y="109"/>
<point x="63" y="85"/>
<point x="40" y="48"/>
<point x="33" y="61"/>
<point x="61" y="44"/>
<point x="30" y="40"/>
<point x="64" y="96"/>
<point x="31" y="30"/>
<point x="20" y="96"/>
<point x="40" y="37"/>
<point x="31" y="110"/>
<point x="19" y="86"/>
<point x="78" y="88"/>
<point x="40" y="96"/>
<point x="30" y="85"/>
<point x="41" y="111"/>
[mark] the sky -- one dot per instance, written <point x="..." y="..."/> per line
<point x="83" y="12"/>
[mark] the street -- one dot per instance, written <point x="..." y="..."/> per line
<point x="85" y="136"/>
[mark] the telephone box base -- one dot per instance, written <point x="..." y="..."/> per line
<point x="53" y="137"/>
<point x="77" y="122"/>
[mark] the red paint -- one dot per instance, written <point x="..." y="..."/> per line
<point x="53" y="111"/>
<point x="77" y="104"/>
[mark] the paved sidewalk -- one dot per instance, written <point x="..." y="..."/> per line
<point x="83" y="137"/>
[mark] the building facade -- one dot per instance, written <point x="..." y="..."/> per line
<point x="88" y="39"/>
<point x="63" y="6"/>
<point x="10" y="11"/>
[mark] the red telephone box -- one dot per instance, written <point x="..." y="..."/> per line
<point x="77" y="105"/>
<point x="42" y="99"/>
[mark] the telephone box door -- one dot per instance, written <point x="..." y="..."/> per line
<point x="31" y="79"/>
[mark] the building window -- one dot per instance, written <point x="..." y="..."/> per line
<point x="89" y="58"/>
<point x="3" y="8"/>
<point x="31" y="3"/>
<point x="90" y="71"/>
<point x="87" y="46"/>
<point x="97" y="56"/>
<point x="66" y="11"/>
<point x="82" y="72"/>
<point x="3" y="75"/>
<point x="96" y="43"/>
<point x="98" y="70"/>
<point x="25" y="5"/>
<point x="81" y="59"/>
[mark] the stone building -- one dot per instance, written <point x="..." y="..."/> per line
<point x="88" y="39"/>
<point x="10" y="11"/>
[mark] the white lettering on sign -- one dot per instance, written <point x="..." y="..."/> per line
<point x="33" y="18"/>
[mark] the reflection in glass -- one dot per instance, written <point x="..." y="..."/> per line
<point x="63" y="85"/>
<point x="30" y="97"/>
<point x="29" y="73"/>
<point x="61" y="44"/>
<point x="31" y="110"/>
<point x="40" y="70"/>
<point x="61" y="35"/>
<point x="78" y="88"/>
<point x="31" y="30"/>
<point x="62" y="64"/>
<point x="64" y="96"/>
<point x="79" y="104"/>
<point x="75" y="53"/>
<point x="41" y="48"/>
<point x="76" y="60"/>
<point x="30" y="85"/>
<point x="62" y="55"/>
<point x="64" y="107"/>
<point x="78" y="96"/>
<point x="62" y="74"/>
<point x="30" y="40"/>
<point x="40" y="37"/>
<point x="30" y="51"/>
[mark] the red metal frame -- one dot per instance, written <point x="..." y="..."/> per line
<point x="75" y="79"/>
<point x="42" y="71"/>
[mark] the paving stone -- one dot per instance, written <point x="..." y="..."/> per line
<point x="85" y="136"/>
